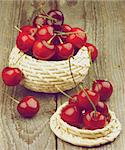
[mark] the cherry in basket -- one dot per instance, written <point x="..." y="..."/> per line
<point x="29" y="29"/>
<point x="78" y="39"/>
<point x="25" y="41"/>
<point x="92" y="51"/>
<point x="71" y="115"/>
<point x="44" y="33"/>
<point x="94" y="120"/>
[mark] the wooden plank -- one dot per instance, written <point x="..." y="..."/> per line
<point x="104" y="22"/>
<point x="17" y="133"/>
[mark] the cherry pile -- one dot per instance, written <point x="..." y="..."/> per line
<point x="87" y="108"/>
<point x="48" y="38"/>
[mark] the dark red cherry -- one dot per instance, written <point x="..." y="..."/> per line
<point x="28" y="107"/>
<point x="102" y="108"/>
<point x="39" y="21"/>
<point x="77" y="39"/>
<point x="104" y="88"/>
<point x="43" y="50"/>
<point x="70" y="114"/>
<point x="64" y="51"/>
<point x="92" y="50"/>
<point x="93" y="121"/>
<point x="28" y="29"/>
<point x="24" y="41"/>
<point x="84" y="102"/>
<point x="59" y="19"/>
<point x="12" y="76"/>
<point x="44" y="33"/>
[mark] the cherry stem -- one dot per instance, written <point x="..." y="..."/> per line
<point x="51" y="39"/>
<point x="11" y="97"/>
<point x="88" y="98"/>
<point x="71" y="71"/>
<point x="48" y="17"/>
<point x="67" y="33"/>
<point x="60" y="40"/>
<point x="64" y="93"/>
<point x="17" y="28"/>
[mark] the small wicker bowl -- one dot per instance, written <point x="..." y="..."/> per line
<point x="46" y="76"/>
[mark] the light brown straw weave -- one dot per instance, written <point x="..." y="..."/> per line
<point x="45" y="76"/>
<point x="83" y="137"/>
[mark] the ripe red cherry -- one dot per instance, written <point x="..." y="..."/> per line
<point x="93" y="121"/>
<point x="44" y="33"/>
<point x="70" y="114"/>
<point x="12" y="76"/>
<point x="104" y="88"/>
<point x="64" y="51"/>
<point x="43" y="50"/>
<point x="24" y="41"/>
<point x="66" y="28"/>
<point x="77" y="39"/>
<point x="28" y="107"/>
<point x="28" y="29"/>
<point x="58" y="15"/>
<point x="102" y="108"/>
<point x="84" y="102"/>
<point x="39" y="21"/>
<point x="74" y="100"/>
<point x="92" y="50"/>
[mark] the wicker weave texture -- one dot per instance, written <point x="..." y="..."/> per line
<point x="83" y="137"/>
<point x="46" y="76"/>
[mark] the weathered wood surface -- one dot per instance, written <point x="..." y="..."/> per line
<point x="105" y="23"/>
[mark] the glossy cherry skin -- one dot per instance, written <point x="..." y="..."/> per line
<point x="104" y="88"/>
<point x="102" y="108"/>
<point x="64" y="51"/>
<point x="84" y="102"/>
<point x="44" y="33"/>
<point x="39" y="21"/>
<point x="92" y="50"/>
<point x="24" y="41"/>
<point x="65" y="28"/>
<point x="70" y="114"/>
<point x="12" y="76"/>
<point x="43" y="50"/>
<point x="77" y="39"/>
<point x="58" y="15"/>
<point x="28" y="29"/>
<point x="28" y="107"/>
<point x="93" y="121"/>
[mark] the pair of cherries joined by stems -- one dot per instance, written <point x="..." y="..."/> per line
<point x="50" y="39"/>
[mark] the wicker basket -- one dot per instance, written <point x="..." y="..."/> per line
<point x="46" y="76"/>
<point x="84" y="137"/>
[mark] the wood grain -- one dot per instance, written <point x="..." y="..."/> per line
<point x="104" y="22"/>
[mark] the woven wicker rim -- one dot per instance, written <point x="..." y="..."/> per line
<point x="83" y="137"/>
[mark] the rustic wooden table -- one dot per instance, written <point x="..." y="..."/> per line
<point x="105" y="25"/>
